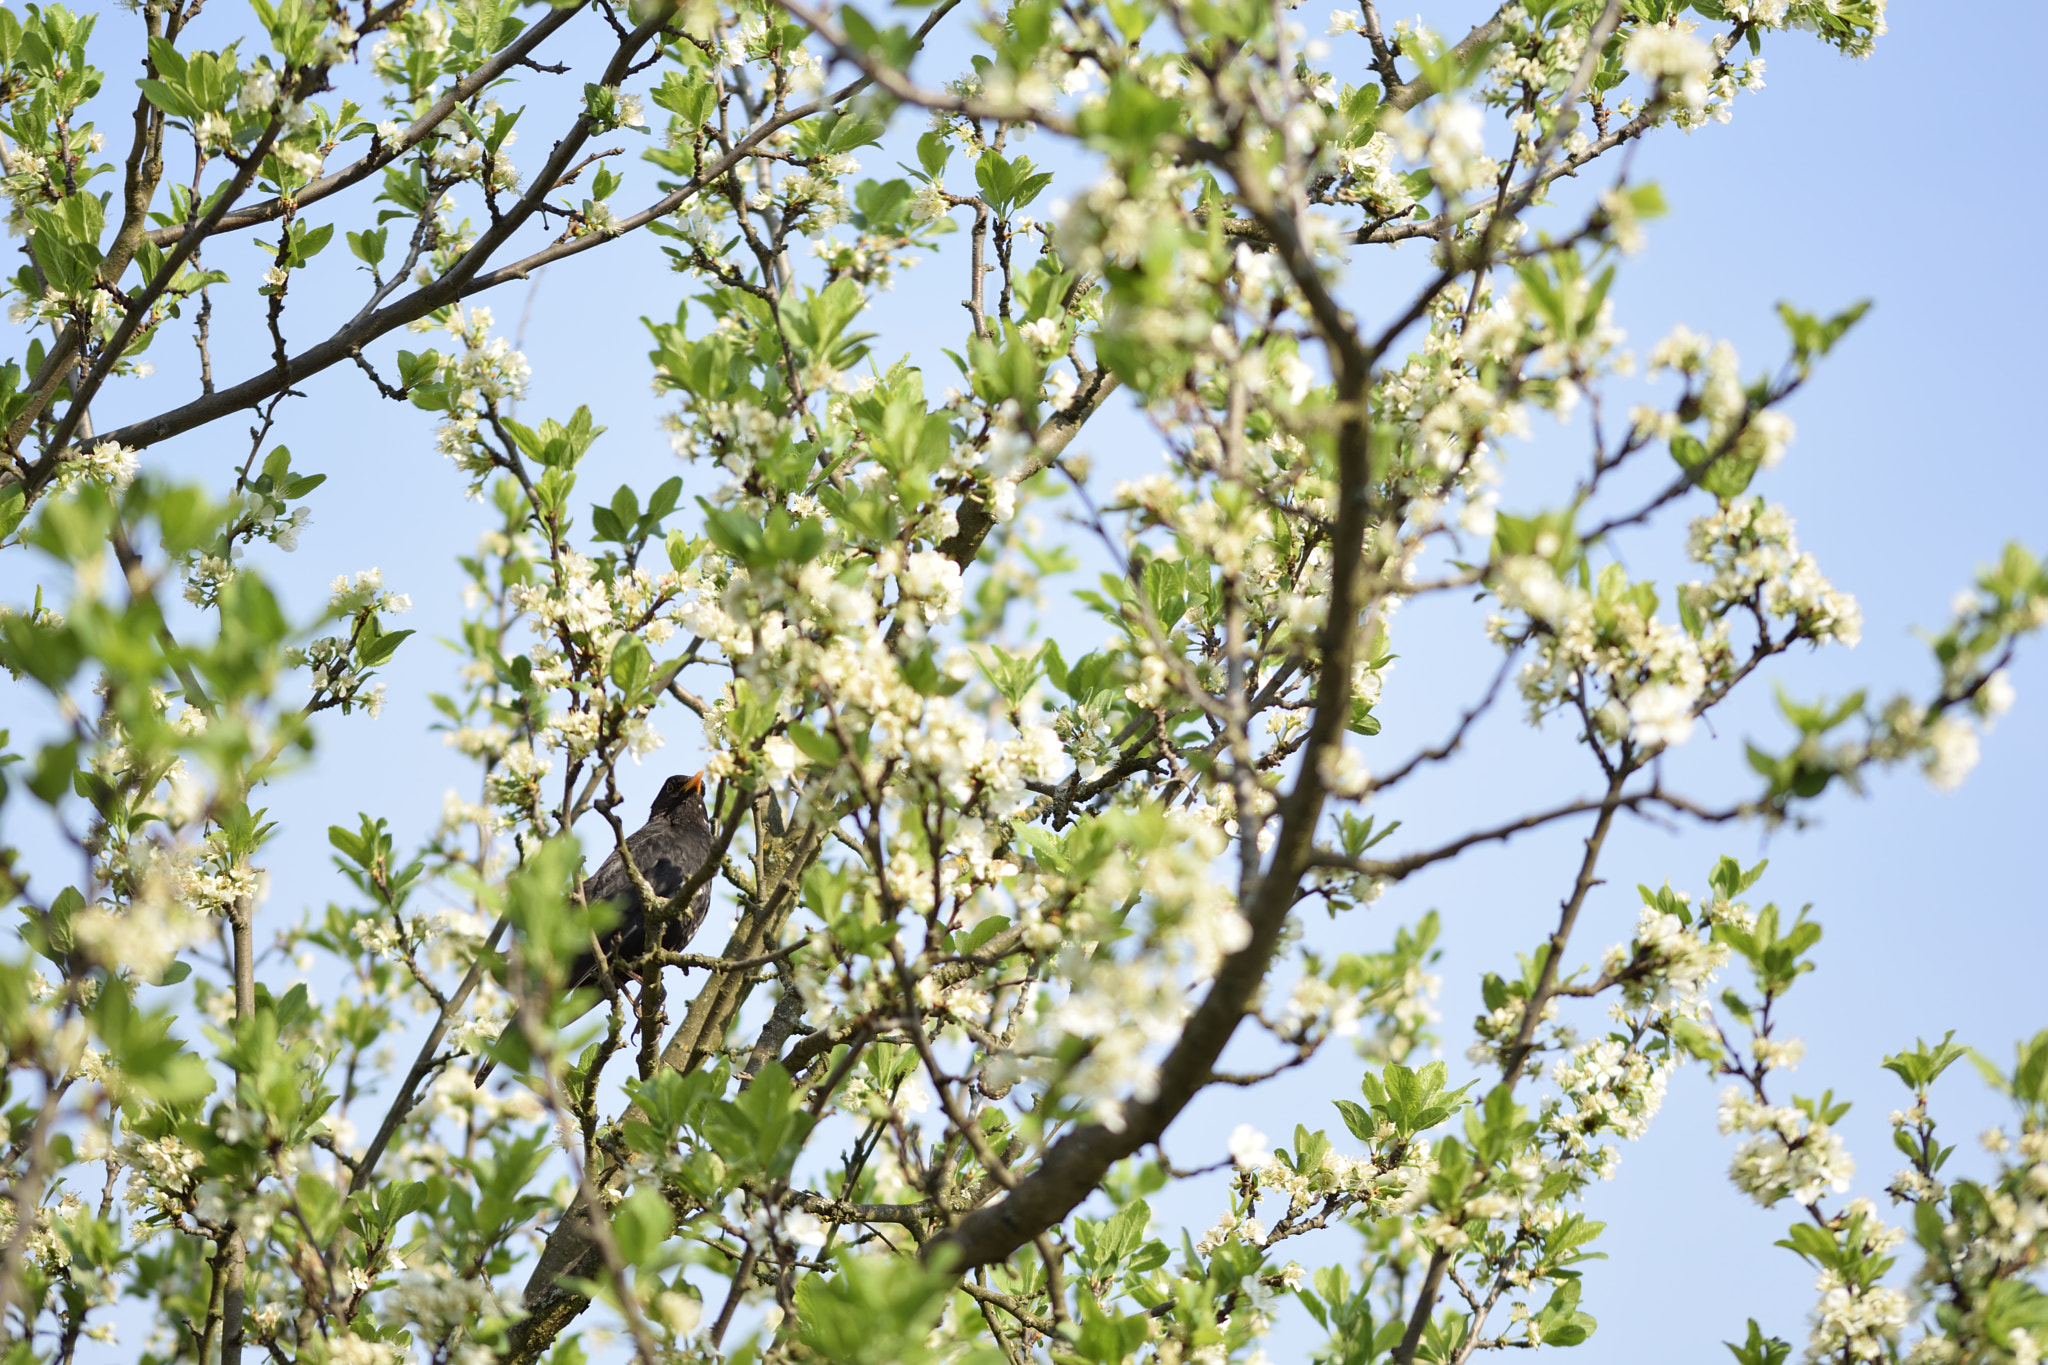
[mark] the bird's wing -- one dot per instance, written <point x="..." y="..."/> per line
<point x="660" y="854"/>
<point x="667" y="856"/>
<point x="609" y="881"/>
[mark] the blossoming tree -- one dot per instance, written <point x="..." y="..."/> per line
<point x="998" y="913"/>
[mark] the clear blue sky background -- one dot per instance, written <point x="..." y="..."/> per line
<point x="1902" y="179"/>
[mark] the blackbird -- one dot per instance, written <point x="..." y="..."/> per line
<point x="668" y="850"/>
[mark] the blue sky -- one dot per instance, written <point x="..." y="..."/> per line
<point x="1902" y="179"/>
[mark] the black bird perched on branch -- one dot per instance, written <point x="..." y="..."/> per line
<point x="668" y="850"/>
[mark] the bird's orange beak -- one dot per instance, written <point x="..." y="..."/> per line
<point x="694" y="784"/>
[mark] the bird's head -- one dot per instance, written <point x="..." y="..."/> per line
<point x="677" y="794"/>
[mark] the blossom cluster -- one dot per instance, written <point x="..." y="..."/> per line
<point x="1791" y="1153"/>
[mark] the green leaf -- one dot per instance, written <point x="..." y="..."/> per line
<point x="816" y="745"/>
<point x="1758" y="1349"/>
<point x="1919" y="1067"/>
<point x="1725" y="475"/>
<point x="1548" y="535"/>
<point x="932" y="155"/>
<point x="320" y="1205"/>
<point x="55" y="764"/>
<point x="605" y="525"/>
<point x="662" y="503"/>
<point x="168" y="98"/>
<point x="308" y="243"/>
<point x="688" y="96"/>
<point x="1559" y="1322"/>
<point x="1008" y="185"/>
<point x="371" y="653"/>
<point x="368" y="247"/>
<point x="631" y="667"/>
<point x="1696" y="1039"/>
<point x="1814" y="337"/>
<point x="921" y="673"/>
<point x="641" y="1223"/>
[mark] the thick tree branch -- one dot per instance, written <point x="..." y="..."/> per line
<point x="1077" y="1163"/>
